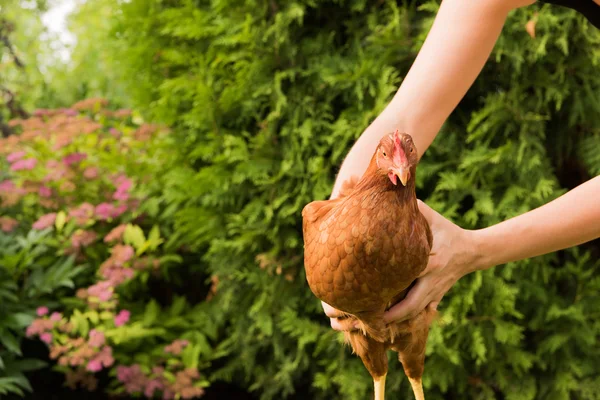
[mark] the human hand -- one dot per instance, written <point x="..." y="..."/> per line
<point x="454" y="254"/>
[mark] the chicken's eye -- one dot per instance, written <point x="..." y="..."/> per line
<point x="384" y="154"/>
<point x="411" y="149"/>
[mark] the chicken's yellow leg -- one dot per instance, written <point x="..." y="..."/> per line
<point x="417" y="387"/>
<point x="379" y="383"/>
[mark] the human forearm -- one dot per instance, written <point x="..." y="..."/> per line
<point x="460" y="41"/>
<point x="572" y="219"/>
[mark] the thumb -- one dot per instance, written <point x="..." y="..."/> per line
<point x="410" y="306"/>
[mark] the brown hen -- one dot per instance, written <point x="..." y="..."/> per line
<point x="363" y="250"/>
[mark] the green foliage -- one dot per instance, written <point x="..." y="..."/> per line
<point x="27" y="278"/>
<point x="266" y="98"/>
<point x="20" y="77"/>
<point x="92" y="70"/>
<point x="74" y="241"/>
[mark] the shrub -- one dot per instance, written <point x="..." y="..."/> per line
<point x="72" y="184"/>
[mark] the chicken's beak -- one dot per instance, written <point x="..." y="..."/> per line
<point x="402" y="173"/>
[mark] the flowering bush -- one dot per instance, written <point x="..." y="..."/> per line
<point x="75" y="178"/>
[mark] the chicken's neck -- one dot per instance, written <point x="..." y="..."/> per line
<point x="380" y="185"/>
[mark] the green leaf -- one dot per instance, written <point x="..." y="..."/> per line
<point x="190" y="356"/>
<point x="151" y="313"/>
<point x="61" y="218"/>
<point x="154" y="239"/>
<point x="27" y="365"/>
<point x="10" y="342"/>
<point x="93" y="317"/>
<point x="134" y="235"/>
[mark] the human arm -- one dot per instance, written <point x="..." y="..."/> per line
<point x="569" y="220"/>
<point x="457" y="46"/>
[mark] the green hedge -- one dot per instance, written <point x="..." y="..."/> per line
<point x="268" y="96"/>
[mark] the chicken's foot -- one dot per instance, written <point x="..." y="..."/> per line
<point x="417" y="387"/>
<point x="379" y="383"/>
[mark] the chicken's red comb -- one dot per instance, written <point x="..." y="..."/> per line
<point x="399" y="157"/>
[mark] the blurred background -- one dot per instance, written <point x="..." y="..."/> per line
<point x="155" y="156"/>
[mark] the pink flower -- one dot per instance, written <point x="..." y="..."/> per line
<point x="94" y="366"/>
<point x="123" y="373"/>
<point x="120" y="209"/>
<point x="46" y="337"/>
<point x="39" y="326"/>
<point x="151" y="386"/>
<point x="123" y="112"/>
<point x="12" y="157"/>
<point x="123" y="196"/>
<point x="27" y="164"/>
<point x="176" y="347"/>
<point x="74" y="158"/>
<point x="105" y="211"/>
<point x="105" y="356"/>
<point x="69" y="112"/>
<point x="30" y="331"/>
<point x="116" y="275"/>
<point x="122" y="254"/>
<point x="91" y="172"/>
<point x="83" y="213"/>
<point x="41" y="311"/>
<point x="45" y="191"/>
<point x="8" y="224"/>
<point x="114" y="133"/>
<point x="45" y="221"/>
<point x="55" y="174"/>
<point x="41" y="112"/>
<point x="132" y="378"/>
<point x="124" y="184"/>
<point x="56" y="316"/>
<point x="122" y="318"/>
<point x="97" y="338"/>
<point x="102" y="290"/>
<point x="121" y="179"/>
<point x="7" y="186"/>
<point x="50" y="164"/>
<point x="115" y="234"/>
<point x="83" y="238"/>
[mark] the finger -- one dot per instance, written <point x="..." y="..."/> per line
<point x="415" y="302"/>
<point x="336" y="324"/>
<point x="346" y="324"/>
<point x="434" y="305"/>
<point x="330" y="311"/>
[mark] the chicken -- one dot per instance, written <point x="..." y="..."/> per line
<point x="362" y="252"/>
